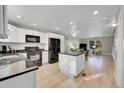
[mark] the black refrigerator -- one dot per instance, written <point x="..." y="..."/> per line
<point x="54" y="49"/>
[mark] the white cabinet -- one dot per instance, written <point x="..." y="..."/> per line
<point x="29" y="32"/>
<point x="43" y="38"/>
<point x="21" y="36"/>
<point x="45" y="57"/>
<point x="13" y="33"/>
<point x="36" y="33"/>
<point x="71" y="65"/>
<point x="32" y="32"/>
<point x="63" y="63"/>
<point x="27" y="80"/>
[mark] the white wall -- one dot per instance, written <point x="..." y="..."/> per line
<point x="119" y="49"/>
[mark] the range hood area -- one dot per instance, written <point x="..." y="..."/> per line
<point x="3" y="22"/>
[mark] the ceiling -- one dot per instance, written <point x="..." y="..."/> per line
<point x="70" y="20"/>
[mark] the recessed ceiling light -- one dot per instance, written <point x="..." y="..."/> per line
<point x="71" y="23"/>
<point x="18" y="16"/>
<point x="73" y="35"/>
<point x="56" y="28"/>
<point x="95" y="12"/>
<point x="113" y="25"/>
<point x="34" y="24"/>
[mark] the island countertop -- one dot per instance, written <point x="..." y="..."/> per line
<point x="16" y="66"/>
<point x="72" y="53"/>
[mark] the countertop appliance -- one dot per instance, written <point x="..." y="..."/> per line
<point x="32" y="39"/>
<point x="34" y="55"/>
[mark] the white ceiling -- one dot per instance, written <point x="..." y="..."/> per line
<point x="49" y="17"/>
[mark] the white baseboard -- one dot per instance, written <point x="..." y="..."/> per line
<point x="115" y="79"/>
<point x="106" y="53"/>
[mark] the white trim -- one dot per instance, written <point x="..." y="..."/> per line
<point x="107" y="54"/>
<point x="116" y="79"/>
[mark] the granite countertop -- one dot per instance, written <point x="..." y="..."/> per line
<point x="72" y="53"/>
<point x="14" y="67"/>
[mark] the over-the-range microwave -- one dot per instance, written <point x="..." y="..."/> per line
<point x="32" y="39"/>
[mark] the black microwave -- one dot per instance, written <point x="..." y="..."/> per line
<point x="32" y="39"/>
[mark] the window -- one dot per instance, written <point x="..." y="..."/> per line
<point x="98" y="44"/>
<point x="91" y="44"/>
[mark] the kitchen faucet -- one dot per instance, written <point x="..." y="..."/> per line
<point x="11" y="49"/>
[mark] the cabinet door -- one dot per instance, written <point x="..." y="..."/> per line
<point x="32" y="32"/>
<point x="43" y="38"/>
<point x="45" y="57"/>
<point x="29" y="32"/>
<point x="13" y="33"/>
<point x="21" y="36"/>
<point x="72" y="65"/>
<point x="63" y="62"/>
<point x="36" y="33"/>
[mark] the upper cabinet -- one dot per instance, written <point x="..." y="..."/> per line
<point x="21" y="35"/>
<point x="43" y="38"/>
<point x="18" y="35"/>
<point x="13" y="33"/>
<point x="3" y="22"/>
<point x="32" y="32"/>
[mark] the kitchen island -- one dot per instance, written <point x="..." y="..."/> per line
<point x="71" y="63"/>
<point x="16" y="73"/>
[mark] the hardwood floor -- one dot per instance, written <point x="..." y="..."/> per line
<point x="99" y="74"/>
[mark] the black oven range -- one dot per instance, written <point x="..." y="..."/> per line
<point x="34" y="55"/>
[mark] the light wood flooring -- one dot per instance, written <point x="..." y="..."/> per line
<point x="99" y="69"/>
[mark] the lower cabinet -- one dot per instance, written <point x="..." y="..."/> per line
<point x="73" y="65"/>
<point x="45" y="57"/>
<point x="27" y="80"/>
<point x="63" y="62"/>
